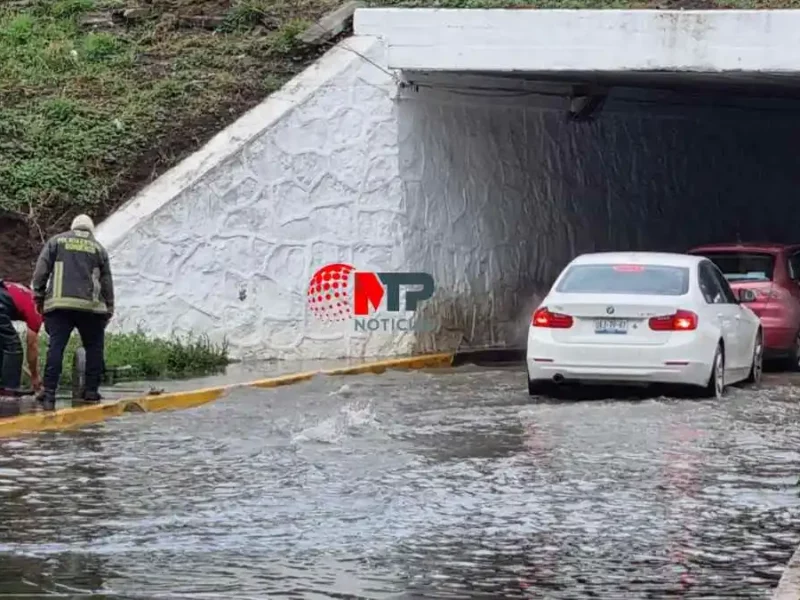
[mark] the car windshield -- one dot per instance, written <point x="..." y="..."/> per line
<point x="744" y="266"/>
<point x="656" y="280"/>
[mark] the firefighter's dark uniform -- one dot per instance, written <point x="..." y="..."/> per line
<point x="74" y="289"/>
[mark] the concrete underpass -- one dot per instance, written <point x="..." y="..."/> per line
<point x="484" y="147"/>
<point x="531" y="175"/>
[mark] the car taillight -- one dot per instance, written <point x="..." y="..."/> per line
<point x="683" y="320"/>
<point x="544" y="318"/>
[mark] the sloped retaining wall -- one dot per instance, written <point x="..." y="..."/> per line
<point x="225" y="243"/>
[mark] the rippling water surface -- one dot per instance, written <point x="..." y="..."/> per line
<point x="410" y="485"/>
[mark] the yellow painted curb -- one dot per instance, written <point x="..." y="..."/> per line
<point x="71" y="418"/>
<point x="66" y="418"/>
<point x="272" y="382"/>
<point x="428" y="361"/>
<point x="177" y="400"/>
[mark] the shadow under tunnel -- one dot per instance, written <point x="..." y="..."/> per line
<point x="515" y="188"/>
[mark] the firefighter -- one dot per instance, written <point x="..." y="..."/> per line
<point x="74" y="289"/>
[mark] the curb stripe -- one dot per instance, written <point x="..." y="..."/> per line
<point x="72" y="418"/>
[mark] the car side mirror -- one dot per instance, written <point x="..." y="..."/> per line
<point x="746" y="295"/>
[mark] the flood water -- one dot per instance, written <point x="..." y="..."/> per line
<point x="409" y="485"/>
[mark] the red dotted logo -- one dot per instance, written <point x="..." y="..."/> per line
<point x="330" y="292"/>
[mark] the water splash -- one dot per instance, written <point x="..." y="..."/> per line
<point x="351" y="420"/>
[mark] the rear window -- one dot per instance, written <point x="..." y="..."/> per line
<point x="744" y="266"/>
<point x="655" y="280"/>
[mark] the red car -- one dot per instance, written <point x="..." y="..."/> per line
<point x="772" y="271"/>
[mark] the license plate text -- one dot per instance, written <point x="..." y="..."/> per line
<point x="611" y="326"/>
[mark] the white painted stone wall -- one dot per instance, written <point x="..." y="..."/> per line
<point x="228" y="250"/>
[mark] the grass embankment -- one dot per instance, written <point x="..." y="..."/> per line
<point x="99" y="97"/>
<point x="148" y="358"/>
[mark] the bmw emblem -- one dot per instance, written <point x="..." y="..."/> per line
<point x="610" y="310"/>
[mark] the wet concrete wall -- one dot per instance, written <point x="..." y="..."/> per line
<point x="502" y="194"/>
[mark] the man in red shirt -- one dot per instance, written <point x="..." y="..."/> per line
<point x="17" y="304"/>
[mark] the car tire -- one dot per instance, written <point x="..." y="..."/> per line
<point x="792" y="363"/>
<point x="715" y="388"/>
<point x="538" y="387"/>
<point x="757" y="364"/>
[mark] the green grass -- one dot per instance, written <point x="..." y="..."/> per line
<point x="149" y="358"/>
<point x="88" y="116"/>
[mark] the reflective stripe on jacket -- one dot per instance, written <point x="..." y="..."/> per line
<point x="73" y="272"/>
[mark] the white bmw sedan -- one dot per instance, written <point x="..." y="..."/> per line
<point x="643" y="318"/>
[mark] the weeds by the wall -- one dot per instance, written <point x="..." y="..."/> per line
<point x="148" y="358"/>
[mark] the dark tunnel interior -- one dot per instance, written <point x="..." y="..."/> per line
<point x="517" y="186"/>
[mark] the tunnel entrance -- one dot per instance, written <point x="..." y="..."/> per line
<point x="526" y="173"/>
<point x="530" y="137"/>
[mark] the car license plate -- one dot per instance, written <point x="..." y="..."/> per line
<point x="613" y="326"/>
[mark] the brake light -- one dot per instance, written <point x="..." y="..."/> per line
<point x="544" y="318"/>
<point x="682" y="320"/>
<point x="629" y="268"/>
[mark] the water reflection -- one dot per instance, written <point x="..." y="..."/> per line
<point x="53" y="510"/>
<point x="409" y="485"/>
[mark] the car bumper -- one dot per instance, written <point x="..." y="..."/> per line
<point x="676" y="364"/>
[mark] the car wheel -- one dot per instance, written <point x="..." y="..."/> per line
<point x="537" y="387"/>
<point x="715" y="388"/>
<point x="757" y="365"/>
<point x="793" y="362"/>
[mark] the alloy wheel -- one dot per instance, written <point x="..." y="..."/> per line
<point x="758" y="360"/>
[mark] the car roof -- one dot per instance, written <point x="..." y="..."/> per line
<point x="669" y="259"/>
<point x="744" y="247"/>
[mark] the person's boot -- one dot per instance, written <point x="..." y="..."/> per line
<point x="92" y="397"/>
<point x="46" y="399"/>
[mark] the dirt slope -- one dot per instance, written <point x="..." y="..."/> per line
<point x="98" y="98"/>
